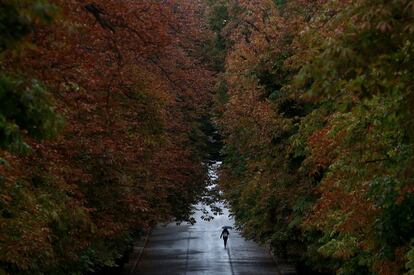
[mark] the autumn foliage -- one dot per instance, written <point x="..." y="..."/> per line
<point x="315" y="106"/>
<point x="104" y="117"/>
<point x="102" y="106"/>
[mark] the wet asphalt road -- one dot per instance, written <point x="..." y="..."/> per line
<point x="197" y="249"/>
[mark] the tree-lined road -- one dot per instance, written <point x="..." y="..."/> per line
<point x="197" y="249"/>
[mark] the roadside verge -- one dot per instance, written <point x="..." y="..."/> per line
<point x="139" y="245"/>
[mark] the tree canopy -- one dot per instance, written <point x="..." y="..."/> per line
<point x="106" y="126"/>
<point x="317" y="125"/>
<point x="102" y="117"/>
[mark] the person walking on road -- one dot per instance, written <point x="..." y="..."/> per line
<point x="225" y="234"/>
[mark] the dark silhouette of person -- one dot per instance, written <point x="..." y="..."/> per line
<point x="225" y="234"/>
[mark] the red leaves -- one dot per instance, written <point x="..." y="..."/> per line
<point x="127" y="77"/>
<point x="323" y="145"/>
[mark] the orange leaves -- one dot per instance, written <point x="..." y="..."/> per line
<point x="340" y="210"/>
<point x="317" y="117"/>
<point x="129" y="79"/>
<point x="323" y="145"/>
<point x="388" y="267"/>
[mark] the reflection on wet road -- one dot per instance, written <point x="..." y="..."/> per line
<point x="197" y="249"/>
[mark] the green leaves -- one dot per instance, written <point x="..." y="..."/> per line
<point x="410" y="260"/>
<point x="340" y="152"/>
<point x="17" y="18"/>
<point x="25" y="107"/>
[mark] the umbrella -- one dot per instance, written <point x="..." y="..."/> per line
<point x="227" y="227"/>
